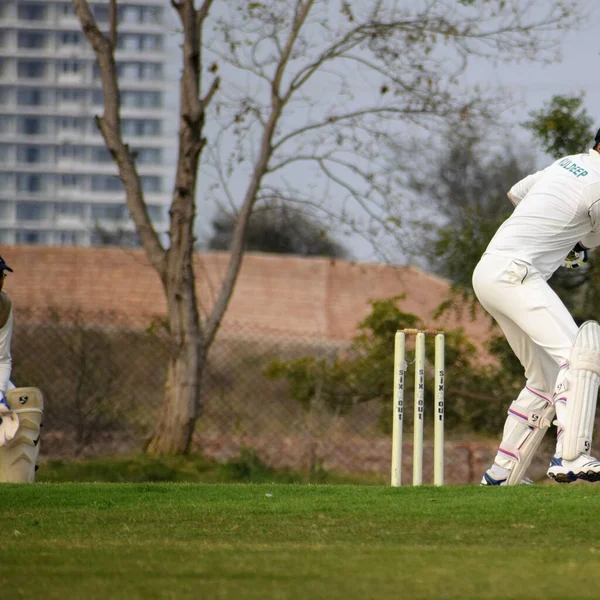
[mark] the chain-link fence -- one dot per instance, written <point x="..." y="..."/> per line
<point x="103" y="385"/>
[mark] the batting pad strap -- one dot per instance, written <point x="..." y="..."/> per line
<point x="510" y="452"/>
<point x="586" y="360"/>
<point x="537" y="419"/>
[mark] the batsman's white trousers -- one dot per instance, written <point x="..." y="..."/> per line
<point x="537" y="325"/>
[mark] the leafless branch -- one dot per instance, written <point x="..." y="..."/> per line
<point x="112" y="20"/>
<point x="110" y="128"/>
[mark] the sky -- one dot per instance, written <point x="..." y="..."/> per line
<point x="530" y="85"/>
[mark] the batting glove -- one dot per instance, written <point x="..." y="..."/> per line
<point x="9" y="421"/>
<point x="575" y="258"/>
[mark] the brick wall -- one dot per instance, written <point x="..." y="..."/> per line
<point x="308" y="297"/>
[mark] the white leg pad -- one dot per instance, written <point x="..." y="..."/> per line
<point x="18" y="457"/>
<point x="580" y="391"/>
<point x="529" y="417"/>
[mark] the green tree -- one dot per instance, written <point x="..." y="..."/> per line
<point x="277" y="229"/>
<point x="476" y="394"/>
<point x="468" y="193"/>
<point x="562" y="126"/>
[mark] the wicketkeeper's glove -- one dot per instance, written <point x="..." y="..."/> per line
<point x="576" y="257"/>
<point x="9" y="421"/>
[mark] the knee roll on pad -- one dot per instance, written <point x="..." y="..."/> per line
<point x="18" y="457"/>
<point x="580" y="391"/>
<point x="529" y="417"/>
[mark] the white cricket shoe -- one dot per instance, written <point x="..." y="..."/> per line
<point x="487" y="479"/>
<point x="584" y="467"/>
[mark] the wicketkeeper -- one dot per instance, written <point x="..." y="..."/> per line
<point x="555" y="221"/>
<point x="21" y="409"/>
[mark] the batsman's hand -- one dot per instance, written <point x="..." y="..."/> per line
<point x="9" y="421"/>
<point x="577" y="257"/>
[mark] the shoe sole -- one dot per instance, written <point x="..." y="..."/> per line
<point x="569" y="477"/>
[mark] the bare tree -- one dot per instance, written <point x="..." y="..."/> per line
<point x="301" y="114"/>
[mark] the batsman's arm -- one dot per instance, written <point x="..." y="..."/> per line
<point x="518" y="191"/>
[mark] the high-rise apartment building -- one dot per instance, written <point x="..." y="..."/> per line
<point x="58" y="183"/>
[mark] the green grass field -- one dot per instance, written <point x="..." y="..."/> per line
<point x="268" y="541"/>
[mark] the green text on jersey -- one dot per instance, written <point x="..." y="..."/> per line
<point x="572" y="167"/>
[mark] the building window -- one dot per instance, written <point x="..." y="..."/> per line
<point x="141" y="127"/>
<point x="109" y="212"/>
<point x="71" y="95"/>
<point x="70" y="38"/>
<point x="31" y="39"/>
<point x="141" y="99"/>
<point x="30" y="211"/>
<point x="31" y="69"/>
<point x="70" y="181"/>
<point x="72" y="124"/>
<point x="31" y="237"/>
<point x="70" y="209"/>
<point x="31" y="154"/>
<point x="150" y="14"/>
<point x="100" y="12"/>
<point x="148" y="156"/>
<point x="70" y="151"/>
<point x="30" y="97"/>
<point x="135" y="71"/>
<point x="31" y="11"/>
<point x="151" y="183"/>
<point x="31" y="126"/>
<point x="101" y="155"/>
<point x="106" y="183"/>
<point x="5" y="123"/>
<point x="30" y="182"/>
<point x="71" y="67"/>
<point x="5" y="209"/>
<point x="69" y="238"/>
<point x="66" y="9"/>
<point x="148" y="42"/>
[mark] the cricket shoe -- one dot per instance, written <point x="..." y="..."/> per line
<point x="487" y="479"/>
<point x="584" y="467"/>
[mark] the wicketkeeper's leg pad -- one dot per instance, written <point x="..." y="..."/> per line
<point x="18" y="457"/>
<point x="529" y="417"/>
<point x="579" y="389"/>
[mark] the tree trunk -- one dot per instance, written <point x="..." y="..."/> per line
<point x="175" y="426"/>
<point x="180" y="406"/>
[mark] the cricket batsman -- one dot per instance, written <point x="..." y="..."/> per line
<point x="555" y="221"/>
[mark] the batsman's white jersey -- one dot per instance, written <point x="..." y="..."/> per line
<point x="554" y="210"/>
<point x="562" y="208"/>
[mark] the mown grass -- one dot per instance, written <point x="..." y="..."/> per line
<point x="270" y="541"/>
